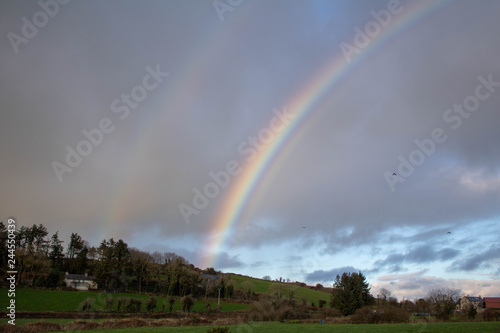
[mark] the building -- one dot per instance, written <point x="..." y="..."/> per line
<point x="492" y="302"/>
<point x="80" y="281"/>
<point x="466" y="301"/>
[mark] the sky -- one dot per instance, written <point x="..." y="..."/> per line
<point x="288" y="138"/>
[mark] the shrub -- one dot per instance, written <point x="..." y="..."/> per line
<point x="218" y="329"/>
<point x="171" y="302"/>
<point x="322" y="303"/>
<point x="122" y="302"/>
<point x="260" y="311"/>
<point x="151" y="304"/>
<point x="134" y="305"/>
<point x="187" y="303"/>
<point x="87" y="304"/>
<point x="490" y="315"/>
<point x="109" y="302"/>
<point x="380" y="315"/>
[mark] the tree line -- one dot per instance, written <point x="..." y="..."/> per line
<point x="351" y="292"/>
<point x="42" y="261"/>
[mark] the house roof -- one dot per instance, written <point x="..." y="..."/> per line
<point x="474" y="299"/>
<point x="211" y="277"/>
<point x="80" y="277"/>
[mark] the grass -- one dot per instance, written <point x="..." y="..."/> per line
<point x="24" y="321"/>
<point x="266" y="287"/>
<point x="28" y="299"/>
<point x="466" y="327"/>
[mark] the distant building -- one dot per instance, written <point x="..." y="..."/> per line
<point x="466" y="301"/>
<point x="492" y="302"/>
<point x="210" y="277"/>
<point x="80" y="281"/>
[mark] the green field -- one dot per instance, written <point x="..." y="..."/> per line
<point x="51" y="300"/>
<point x="266" y="287"/>
<point x="479" y="327"/>
<point x="28" y="299"/>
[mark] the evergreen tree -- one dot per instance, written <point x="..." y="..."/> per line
<point x="350" y="292"/>
<point x="56" y="251"/>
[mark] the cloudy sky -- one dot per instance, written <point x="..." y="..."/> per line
<point x="287" y="138"/>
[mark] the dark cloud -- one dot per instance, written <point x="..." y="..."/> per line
<point x="483" y="260"/>
<point x="330" y="275"/>
<point x="420" y="255"/>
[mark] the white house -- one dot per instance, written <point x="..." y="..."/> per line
<point x="80" y="281"/>
<point x="466" y="301"/>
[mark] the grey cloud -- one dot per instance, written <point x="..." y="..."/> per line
<point x="477" y="261"/>
<point x="420" y="255"/>
<point x="330" y="275"/>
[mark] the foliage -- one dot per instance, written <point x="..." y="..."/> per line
<point x="350" y="292"/>
<point x="211" y="271"/>
<point x="87" y="304"/>
<point x="443" y="302"/>
<point x="381" y="314"/>
<point x="321" y="303"/>
<point x="171" y="302"/>
<point x="470" y="311"/>
<point x="248" y="288"/>
<point x="56" y="254"/>
<point x="109" y="302"/>
<point x="122" y="301"/>
<point x="151" y="304"/>
<point x="490" y="315"/>
<point x="187" y="303"/>
<point x="134" y="305"/>
<point x="218" y="330"/>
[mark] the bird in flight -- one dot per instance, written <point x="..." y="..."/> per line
<point x="394" y="174"/>
<point x="449" y="233"/>
<point x="303" y="227"/>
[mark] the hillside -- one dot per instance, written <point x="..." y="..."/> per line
<point x="287" y="289"/>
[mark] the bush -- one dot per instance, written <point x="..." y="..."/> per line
<point x="134" y="305"/>
<point x="218" y="330"/>
<point x="151" y="304"/>
<point x="187" y="303"/>
<point x="109" y="302"/>
<point x="278" y="310"/>
<point x="171" y="302"/>
<point x="380" y="315"/>
<point x="122" y="302"/>
<point x="490" y="315"/>
<point x="322" y="303"/>
<point x="260" y="311"/>
<point x="87" y="304"/>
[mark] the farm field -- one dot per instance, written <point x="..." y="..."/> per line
<point x="468" y="327"/>
<point x="28" y="299"/>
<point x="258" y="327"/>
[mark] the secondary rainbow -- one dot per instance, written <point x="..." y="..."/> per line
<point x="302" y="105"/>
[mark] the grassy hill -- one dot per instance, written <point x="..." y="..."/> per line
<point x="287" y="289"/>
<point x="28" y="299"/>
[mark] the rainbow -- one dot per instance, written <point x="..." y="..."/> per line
<point x="246" y="187"/>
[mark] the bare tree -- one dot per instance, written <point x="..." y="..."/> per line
<point x="443" y="301"/>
